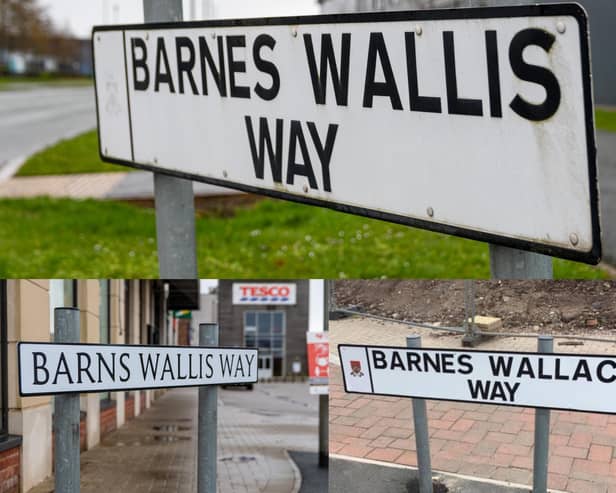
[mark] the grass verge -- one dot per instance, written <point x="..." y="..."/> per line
<point x="51" y="238"/>
<point x="76" y="155"/>
<point x="13" y="82"/>
<point x="605" y="120"/>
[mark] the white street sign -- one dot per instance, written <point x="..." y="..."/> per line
<point x="576" y="382"/>
<point x="264" y="293"/>
<point x="47" y="368"/>
<point x="472" y="122"/>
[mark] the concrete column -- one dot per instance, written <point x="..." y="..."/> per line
<point x="116" y="335"/>
<point x="89" y="305"/>
<point x="135" y="335"/>
<point x="30" y="417"/>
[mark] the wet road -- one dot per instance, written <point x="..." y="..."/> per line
<point x="33" y="118"/>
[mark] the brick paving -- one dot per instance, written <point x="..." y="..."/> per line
<point x="156" y="452"/>
<point x="487" y="441"/>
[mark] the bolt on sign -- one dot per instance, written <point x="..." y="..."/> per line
<point x="471" y="122"/>
<point x="48" y="368"/>
<point x="578" y="382"/>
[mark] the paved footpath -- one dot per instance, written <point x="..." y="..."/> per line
<point x="156" y="451"/>
<point x="486" y="441"/>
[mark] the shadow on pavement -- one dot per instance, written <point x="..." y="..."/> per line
<point x="314" y="478"/>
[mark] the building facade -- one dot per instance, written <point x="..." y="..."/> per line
<point x="111" y="312"/>
<point x="272" y="316"/>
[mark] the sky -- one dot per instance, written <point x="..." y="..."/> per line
<point x="206" y="284"/>
<point x="79" y="16"/>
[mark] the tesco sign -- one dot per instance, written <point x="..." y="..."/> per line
<point x="252" y="293"/>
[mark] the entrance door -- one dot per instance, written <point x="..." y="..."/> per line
<point x="265" y="366"/>
<point x="265" y="330"/>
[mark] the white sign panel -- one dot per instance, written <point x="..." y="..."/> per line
<point x="268" y="293"/>
<point x="557" y="381"/>
<point x="472" y="122"/>
<point x="46" y="368"/>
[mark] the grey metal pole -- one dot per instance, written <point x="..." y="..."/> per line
<point x="208" y="421"/>
<point x="66" y="412"/>
<point x="545" y="344"/>
<point x="324" y="399"/>
<point x="422" y="438"/>
<point x="510" y="263"/>
<point x="174" y="197"/>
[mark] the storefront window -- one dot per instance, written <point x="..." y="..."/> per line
<point x="265" y="330"/>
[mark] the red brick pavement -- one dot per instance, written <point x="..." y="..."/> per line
<point x="493" y="442"/>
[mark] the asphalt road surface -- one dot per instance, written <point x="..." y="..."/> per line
<point x="35" y="117"/>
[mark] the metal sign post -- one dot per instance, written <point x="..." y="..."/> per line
<point x="66" y="412"/>
<point x="545" y="344"/>
<point x="324" y="399"/>
<point x="511" y="263"/>
<point x="174" y="197"/>
<point x="208" y="421"/>
<point x="422" y="436"/>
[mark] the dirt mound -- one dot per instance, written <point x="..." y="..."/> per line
<point x="565" y="307"/>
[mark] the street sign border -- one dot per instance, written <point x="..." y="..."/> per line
<point x="120" y="346"/>
<point x="592" y="256"/>
<point x="405" y="348"/>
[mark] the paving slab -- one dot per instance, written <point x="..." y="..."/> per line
<point x="139" y="185"/>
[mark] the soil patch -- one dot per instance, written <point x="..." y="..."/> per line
<point x="551" y="307"/>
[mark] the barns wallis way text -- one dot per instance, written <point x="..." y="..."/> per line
<point x="98" y="367"/>
<point x="218" y="66"/>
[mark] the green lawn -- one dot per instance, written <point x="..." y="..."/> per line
<point x="66" y="238"/>
<point x="76" y="155"/>
<point x="605" y="120"/>
<point x="11" y="82"/>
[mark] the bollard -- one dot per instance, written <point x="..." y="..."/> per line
<point x="422" y="438"/>
<point x="545" y="344"/>
<point x="66" y="412"/>
<point x="208" y="421"/>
